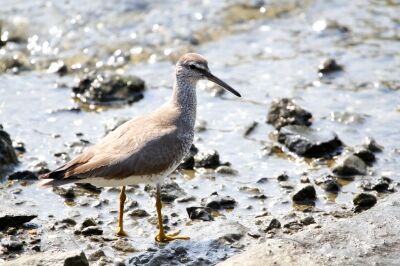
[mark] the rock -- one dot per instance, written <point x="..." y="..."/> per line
<point x="262" y="180"/>
<point x="381" y="185"/>
<point x="329" y="66"/>
<point x="250" y="128"/>
<point x="329" y="27"/>
<point x="309" y="142"/>
<point x="282" y="177"/>
<point x="186" y="199"/>
<point x="68" y="221"/>
<point x="217" y="202"/>
<point x="52" y="258"/>
<point x="328" y="184"/>
<point x="12" y="245"/>
<point x="285" y="112"/>
<point x="19" y="147"/>
<point x="7" y="152"/>
<point x="208" y="159"/>
<point x="100" y="89"/>
<point x="306" y="195"/>
<point x="350" y="165"/>
<point x="226" y="170"/>
<point x="368" y="238"/>
<point x="9" y="218"/>
<point x="91" y="231"/>
<point x="138" y="213"/>
<point x="200" y="213"/>
<point x="200" y="126"/>
<point x="308" y="220"/>
<point x="365" y="154"/>
<point x="23" y="175"/>
<point x="364" y="201"/>
<point x="169" y="191"/>
<point x="58" y="67"/>
<point x="372" y="145"/>
<point x="273" y="224"/>
<point x="252" y="190"/>
<point x="97" y="255"/>
<point x="88" y="222"/>
<point x="188" y="162"/>
<point x="123" y="245"/>
<point x="89" y="188"/>
<point x="68" y="194"/>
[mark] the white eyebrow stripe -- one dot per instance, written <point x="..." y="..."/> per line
<point x="199" y="66"/>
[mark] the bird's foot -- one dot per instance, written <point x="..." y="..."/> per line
<point x="121" y="232"/>
<point x="164" y="238"/>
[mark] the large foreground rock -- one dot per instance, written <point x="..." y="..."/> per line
<point x="369" y="238"/>
<point x="9" y="218"/>
<point x="69" y="258"/>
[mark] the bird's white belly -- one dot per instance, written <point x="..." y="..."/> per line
<point x="130" y="180"/>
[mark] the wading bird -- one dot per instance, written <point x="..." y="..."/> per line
<point x="145" y="149"/>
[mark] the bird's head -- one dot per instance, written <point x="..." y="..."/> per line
<point x="195" y="67"/>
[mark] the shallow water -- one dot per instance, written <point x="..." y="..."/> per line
<point x="262" y="56"/>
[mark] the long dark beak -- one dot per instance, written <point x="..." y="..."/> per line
<point x="221" y="83"/>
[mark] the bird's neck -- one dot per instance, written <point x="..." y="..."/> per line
<point x="184" y="97"/>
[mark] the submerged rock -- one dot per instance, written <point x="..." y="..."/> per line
<point x="188" y="162"/>
<point x="9" y="218"/>
<point x="104" y="89"/>
<point x="7" y="152"/>
<point x="372" y="145"/>
<point x="169" y="191"/>
<point x="306" y="195"/>
<point x="216" y="202"/>
<point x="285" y="112"/>
<point x="364" y="201"/>
<point x="23" y="175"/>
<point x="328" y="66"/>
<point x="200" y="213"/>
<point x="329" y="184"/>
<point x="381" y="185"/>
<point x="309" y="142"/>
<point x="349" y="166"/>
<point x="365" y="154"/>
<point x="208" y="159"/>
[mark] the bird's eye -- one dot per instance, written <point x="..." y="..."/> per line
<point x="192" y="67"/>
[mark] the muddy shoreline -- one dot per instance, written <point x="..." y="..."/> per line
<point x="313" y="143"/>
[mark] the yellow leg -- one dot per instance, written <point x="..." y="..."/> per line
<point x="162" y="237"/>
<point x="122" y="198"/>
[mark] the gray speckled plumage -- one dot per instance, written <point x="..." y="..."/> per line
<point x="147" y="148"/>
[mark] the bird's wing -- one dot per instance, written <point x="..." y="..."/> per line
<point x="134" y="148"/>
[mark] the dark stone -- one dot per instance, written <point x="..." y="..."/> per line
<point x="282" y="177"/>
<point x="306" y="195"/>
<point x="68" y="221"/>
<point x="273" y="224"/>
<point x="89" y="187"/>
<point x="186" y="199"/>
<point x="328" y="66"/>
<point x="364" y="201"/>
<point x="169" y="191"/>
<point x="216" y="202"/>
<point x="249" y="129"/>
<point x="188" y="162"/>
<point x="7" y="152"/>
<point x="262" y="180"/>
<point x="285" y="112"/>
<point x="328" y="184"/>
<point x="9" y="219"/>
<point x="100" y="89"/>
<point x="208" y="160"/>
<point x="88" y="222"/>
<point x="372" y="145"/>
<point x="12" y="245"/>
<point x="138" y="213"/>
<point x="293" y="225"/>
<point x="92" y="230"/>
<point x="308" y="220"/>
<point x="366" y="155"/>
<point x="381" y="185"/>
<point x="349" y="166"/>
<point x="200" y="213"/>
<point x="23" y="175"/>
<point x="76" y="260"/>
<point x="308" y="142"/>
<point x="20" y="147"/>
<point x="68" y="194"/>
